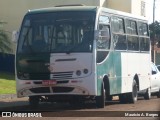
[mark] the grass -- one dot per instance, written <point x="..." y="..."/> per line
<point x="7" y="83"/>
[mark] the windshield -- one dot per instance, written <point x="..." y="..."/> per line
<point x="60" y="32"/>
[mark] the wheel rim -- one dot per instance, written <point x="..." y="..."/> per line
<point x="135" y="93"/>
<point x="104" y="94"/>
<point x="149" y="92"/>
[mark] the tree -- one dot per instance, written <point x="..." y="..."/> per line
<point x="155" y="32"/>
<point x="5" y="43"/>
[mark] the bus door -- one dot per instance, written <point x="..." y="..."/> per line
<point x="104" y="56"/>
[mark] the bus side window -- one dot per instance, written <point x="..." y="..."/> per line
<point x="143" y="29"/>
<point x="120" y="42"/>
<point x="144" y="44"/>
<point x="131" y="27"/>
<point x="119" y="38"/>
<point x="133" y="43"/>
<point x="132" y="35"/>
<point x="104" y="37"/>
<point x="118" y="25"/>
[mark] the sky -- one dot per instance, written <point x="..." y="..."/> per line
<point x="149" y="11"/>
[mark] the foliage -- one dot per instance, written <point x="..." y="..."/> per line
<point x="155" y="31"/>
<point x="7" y="83"/>
<point x="5" y="43"/>
<point x="7" y="87"/>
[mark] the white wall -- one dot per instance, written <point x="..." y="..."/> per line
<point x="12" y="11"/>
<point x="136" y="7"/>
<point x="121" y="5"/>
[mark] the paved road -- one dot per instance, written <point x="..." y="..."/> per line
<point x="88" y="111"/>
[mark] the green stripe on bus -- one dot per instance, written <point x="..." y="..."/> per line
<point x="112" y="68"/>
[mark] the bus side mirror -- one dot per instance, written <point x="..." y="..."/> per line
<point x="15" y="35"/>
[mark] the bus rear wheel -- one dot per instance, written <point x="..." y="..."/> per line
<point x="132" y="97"/>
<point x="100" y="100"/>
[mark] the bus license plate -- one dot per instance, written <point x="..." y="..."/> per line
<point x="49" y="82"/>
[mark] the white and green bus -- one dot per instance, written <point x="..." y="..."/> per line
<point x="75" y="53"/>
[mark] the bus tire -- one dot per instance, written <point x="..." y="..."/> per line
<point x="100" y="100"/>
<point x="158" y="94"/>
<point x="132" y="97"/>
<point x="107" y="88"/>
<point x="33" y="101"/>
<point x="147" y="95"/>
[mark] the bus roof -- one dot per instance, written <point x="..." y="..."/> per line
<point x="65" y="8"/>
<point x="86" y="8"/>
<point x="124" y="14"/>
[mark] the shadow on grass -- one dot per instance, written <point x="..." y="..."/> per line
<point x="7" y="76"/>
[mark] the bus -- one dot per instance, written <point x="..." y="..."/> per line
<point x="78" y="53"/>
